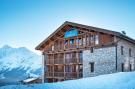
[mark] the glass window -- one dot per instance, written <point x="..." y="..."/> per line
<point x="71" y="41"/>
<point x="80" y="41"/>
<point x="84" y="41"/>
<point x="92" y="50"/>
<point x="122" y="50"/>
<point x="52" y="47"/>
<point x="66" y="42"/>
<point x="91" y="66"/>
<point x="80" y="68"/>
<point x="87" y="38"/>
<point x="129" y="52"/>
<point x="96" y="39"/>
<point x="92" y="39"/>
<point x="68" y="69"/>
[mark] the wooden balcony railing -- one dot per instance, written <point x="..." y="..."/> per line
<point x="61" y="74"/>
<point x="50" y="61"/>
<point x="49" y="74"/>
<point x="71" y="60"/>
<point x="71" y="74"/>
<point x="58" y="74"/>
<point x="70" y="46"/>
<point x="59" y="61"/>
<point x="58" y="48"/>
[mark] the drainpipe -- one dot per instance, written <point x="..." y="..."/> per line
<point x="116" y="48"/>
<point x="116" y="57"/>
<point x="43" y="68"/>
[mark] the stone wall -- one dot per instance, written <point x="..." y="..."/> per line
<point x="104" y="61"/>
<point x="125" y="58"/>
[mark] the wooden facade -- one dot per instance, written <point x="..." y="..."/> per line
<point x="63" y="55"/>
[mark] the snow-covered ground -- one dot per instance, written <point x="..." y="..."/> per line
<point x="122" y="80"/>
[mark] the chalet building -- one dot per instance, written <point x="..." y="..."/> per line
<point x="75" y="51"/>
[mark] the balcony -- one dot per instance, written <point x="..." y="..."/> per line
<point x="49" y="74"/>
<point x="58" y="74"/>
<point x="71" y="75"/>
<point x="49" y="61"/>
<point x="68" y="75"/>
<point x="59" y="61"/>
<point x="70" y="46"/>
<point x="72" y="60"/>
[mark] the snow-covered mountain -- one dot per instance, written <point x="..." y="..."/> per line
<point x="18" y="63"/>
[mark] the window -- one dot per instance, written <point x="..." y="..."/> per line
<point x="59" y="68"/>
<point x="73" y="57"/>
<point x="52" y="47"/>
<point x="80" y="68"/>
<point x="130" y="67"/>
<point x="73" y="68"/>
<point x="84" y="41"/>
<point x="68" y="58"/>
<point x="80" y="57"/>
<point x="122" y="67"/>
<point x="122" y="50"/>
<point x="80" y="41"/>
<point x="91" y="66"/>
<point x="87" y="39"/>
<point x="68" y="68"/>
<point x="66" y="42"/>
<point x="92" y="39"/>
<point x="91" y="49"/>
<point x="77" y="41"/>
<point x="71" y="41"/>
<point x="96" y="39"/>
<point x="50" y="68"/>
<point x="129" y="52"/>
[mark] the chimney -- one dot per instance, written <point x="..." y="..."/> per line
<point x="123" y="32"/>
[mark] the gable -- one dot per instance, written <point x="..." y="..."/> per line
<point x="69" y="29"/>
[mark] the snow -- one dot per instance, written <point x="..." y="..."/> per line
<point x="18" y="61"/>
<point x="122" y="80"/>
<point x="18" y="57"/>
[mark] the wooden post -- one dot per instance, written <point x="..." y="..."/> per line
<point x="77" y="56"/>
<point x="53" y="64"/>
<point x="44" y="57"/>
<point x="64" y="65"/>
<point x="85" y="39"/>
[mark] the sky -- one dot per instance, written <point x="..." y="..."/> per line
<point x="26" y="23"/>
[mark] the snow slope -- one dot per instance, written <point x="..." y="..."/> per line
<point x="18" y="63"/>
<point x="122" y="80"/>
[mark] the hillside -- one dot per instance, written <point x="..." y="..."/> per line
<point x="122" y="80"/>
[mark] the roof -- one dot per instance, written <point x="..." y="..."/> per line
<point x="29" y="80"/>
<point x="118" y="34"/>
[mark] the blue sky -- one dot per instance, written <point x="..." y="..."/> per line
<point x="28" y="22"/>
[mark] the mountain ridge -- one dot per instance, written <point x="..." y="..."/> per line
<point x="19" y="63"/>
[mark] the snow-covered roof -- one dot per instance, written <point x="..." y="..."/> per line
<point x="29" y="80"/>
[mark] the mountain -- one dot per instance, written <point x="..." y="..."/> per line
<point x="17" y="64"/>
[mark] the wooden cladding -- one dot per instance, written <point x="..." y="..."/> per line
<point x="80" y="41"/>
